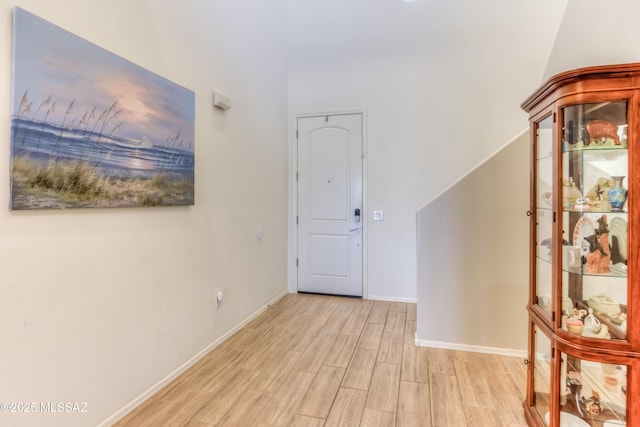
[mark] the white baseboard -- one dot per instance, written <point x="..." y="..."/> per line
<point x="166" y="380"/>
<point x="391" y="299"/>
<point x="472" y="348"/>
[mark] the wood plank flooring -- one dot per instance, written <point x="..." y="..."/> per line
<point x="312" y="360"/>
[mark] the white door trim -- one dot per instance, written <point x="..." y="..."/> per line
<point x="292" y="251"/>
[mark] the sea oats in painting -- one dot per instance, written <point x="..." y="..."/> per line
<point x="91" y="129"/>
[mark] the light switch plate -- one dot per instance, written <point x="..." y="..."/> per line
<point x="378" y="215"/>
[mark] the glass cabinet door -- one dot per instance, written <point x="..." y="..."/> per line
<point x="541" y="374"/>
<point x="594" y="219"/>
<point x="592" y="391"/>
<point x="544" y="213"/>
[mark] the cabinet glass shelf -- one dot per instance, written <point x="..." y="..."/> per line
<point x="615" y="272"/>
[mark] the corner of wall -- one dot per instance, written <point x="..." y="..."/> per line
<point x="473" y="256"/>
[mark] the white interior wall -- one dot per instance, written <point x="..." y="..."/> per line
<point x="473" y="258"/>
<point x="441" y="89"/>
<point x="99" y="305"/>
<point x="592" y="33"/>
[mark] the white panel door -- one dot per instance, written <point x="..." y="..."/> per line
<point x="330" y="213"/>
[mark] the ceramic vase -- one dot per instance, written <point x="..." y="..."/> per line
<point x="617" y="195"/>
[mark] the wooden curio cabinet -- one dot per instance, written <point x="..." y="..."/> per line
<point x="584" y="299"/>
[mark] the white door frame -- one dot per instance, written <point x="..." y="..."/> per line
<point x="292" y="251"/>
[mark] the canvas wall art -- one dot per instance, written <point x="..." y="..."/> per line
<point x="91" y="129"/>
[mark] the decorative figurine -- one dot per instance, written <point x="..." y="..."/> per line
<point x="574" y="325"/>
<point x="601" y="130"/>
<point x="592" y="405"/>
<point x="599" y="256"/>
<point x="574" y="136"/>
<point x="570" y="193"/>
<point x="599" y="194"/>
<point x="592" y="323"/>
<point x="574" y="383"/>
<point x="574" y="320"/>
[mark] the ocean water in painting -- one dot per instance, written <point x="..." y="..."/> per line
<point x="107" y="154"/>
<point x="91" y="129"/>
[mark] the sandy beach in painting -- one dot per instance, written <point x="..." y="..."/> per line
<point x="94" y="191"/>
<point x="55" y="167"/>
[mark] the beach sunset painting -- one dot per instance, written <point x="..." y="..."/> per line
<point x="91" y="129"/>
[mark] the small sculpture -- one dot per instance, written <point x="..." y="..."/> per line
<point x="574" y="135"/>
<point x="574" y="325"/>
<point x="574" y="320"/>
<point x="599" y="252"/>
<point x="591" y="322"/>
<point x="598" y="194"/>
<point x="570" y="193"/>
<point x="592" y="405"/>
<point x="587" y="408"/>
<point x="574" y="384"/>
<point x="601" y="130"/>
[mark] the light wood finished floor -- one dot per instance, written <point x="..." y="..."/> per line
<point x="312" y="360"/>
